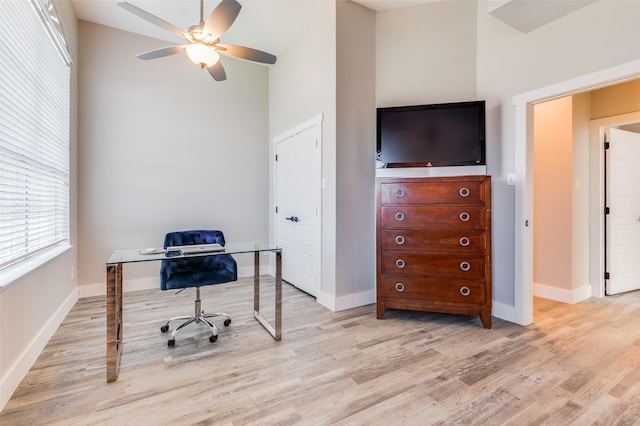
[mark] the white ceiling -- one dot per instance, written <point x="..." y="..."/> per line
<point x="268" y="25"/>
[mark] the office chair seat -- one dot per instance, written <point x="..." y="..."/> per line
<point x="196" y="272"/>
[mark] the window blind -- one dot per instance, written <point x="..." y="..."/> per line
<point x="34" y="132"/>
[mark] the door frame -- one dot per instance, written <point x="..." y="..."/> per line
<point x="523" y="233"/>
<point x="599" y="127"/>
<point x="314" y="124"/>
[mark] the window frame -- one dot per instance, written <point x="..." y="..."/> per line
<point x="32" y="255"/>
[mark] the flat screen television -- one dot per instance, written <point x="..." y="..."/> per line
<point x="451" y="134"/>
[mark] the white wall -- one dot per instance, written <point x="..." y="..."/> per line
<point x="32" y="308"/>
<point x="164" y="147"/>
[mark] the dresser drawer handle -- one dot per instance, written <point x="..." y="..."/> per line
<point x="464" y="216"/>
<point x="400" y="240"/>
<point x="399" y="287"/>
<point x="464" y="241"/>
<point x="399" y="216"/>
<point x="464" y="192"/>
<point x="465" y="291"/>
<point x="465" y="266"/>
<point x="399" y="193"/>
<point x="400" y="263"/>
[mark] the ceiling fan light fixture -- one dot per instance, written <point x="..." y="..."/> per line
<point x="202" y="55"/>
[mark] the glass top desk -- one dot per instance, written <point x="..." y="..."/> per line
<point x="114" y="292"/>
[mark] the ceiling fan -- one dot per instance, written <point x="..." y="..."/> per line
<point x="203" y="40"/>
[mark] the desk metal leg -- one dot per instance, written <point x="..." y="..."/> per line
<point x="278" y="335"/>
<point x="114" y="320"/>
<point x="277" y="331"/>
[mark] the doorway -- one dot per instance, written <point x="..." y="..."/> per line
<point x="622" y="224"/>
<point x="563" y="257"/>
<point x="523" y="300"/>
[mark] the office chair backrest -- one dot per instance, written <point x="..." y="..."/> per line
<point x="183" y="238"/>
<point x="196" y="271"/>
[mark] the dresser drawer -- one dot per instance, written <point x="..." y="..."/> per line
<point x="450" y="291"/>
<point x="433" y="217"/>
<point x="425" y="240"/>
<point x="448" y="265"/>
<point x="401" y="193"/>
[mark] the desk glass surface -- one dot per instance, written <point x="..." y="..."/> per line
<point x="114" y="296"/>
<point x="134" y="255"/>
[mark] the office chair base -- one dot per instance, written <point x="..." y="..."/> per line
<point x="199" y="317"/>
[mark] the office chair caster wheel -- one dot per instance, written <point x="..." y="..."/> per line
<point x="164" y="328"/>
<point x="227" y="322"/>
<point x="171" y="343"/>
<point x="213" y="338"/>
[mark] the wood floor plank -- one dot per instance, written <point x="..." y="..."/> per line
<point x="577" y="365"/>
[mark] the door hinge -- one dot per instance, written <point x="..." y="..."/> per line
<point x="276" y="157"/>
<point x="607" y="145"/>
<point x="607" y="276"/>
<point x="607" y="210"/>
<point x="276" y="209"/>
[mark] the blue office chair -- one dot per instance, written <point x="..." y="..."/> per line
<point x="196" y="272"/>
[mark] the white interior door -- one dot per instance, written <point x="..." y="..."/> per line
<point x="297" y="200"/>
<point x="623" y="220"/>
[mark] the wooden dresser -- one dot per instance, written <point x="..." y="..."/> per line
<point x="434" y="245"/>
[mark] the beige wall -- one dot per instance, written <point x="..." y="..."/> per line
<point x="616" y="100"/>
<point x="581" y="215"/>
<point x="567" y="237"/>
<point x="553" y="207"/>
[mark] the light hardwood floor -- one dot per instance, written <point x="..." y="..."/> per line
<point x="577" y="365"/>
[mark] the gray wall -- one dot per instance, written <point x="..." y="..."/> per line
<point x="302" y="85"/>
<point x="439" y="52"/>
<point x="163" y="147"/>
<point x="355" y="155"/>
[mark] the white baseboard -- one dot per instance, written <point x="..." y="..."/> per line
<point x="348" y="301"/>
<point x="562" y="295"/>
<point x="149" y="283"/>
<point x="14" y="375"/>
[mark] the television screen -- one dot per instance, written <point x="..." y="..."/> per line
<point x="451" y="134"/>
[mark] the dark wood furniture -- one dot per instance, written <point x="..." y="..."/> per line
<point x="434" y="245"/>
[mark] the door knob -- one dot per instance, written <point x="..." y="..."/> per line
<point x="293" y="219"/>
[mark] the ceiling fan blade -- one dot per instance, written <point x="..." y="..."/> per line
<point x="247" y="53"/>
<point x="162" y="52"/>
<point x="222" y="18"/>
<point x="217" y="71"/>
<point x="154" y="20"/>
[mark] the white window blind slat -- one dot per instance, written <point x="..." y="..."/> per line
<point x="34" y="131"/>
